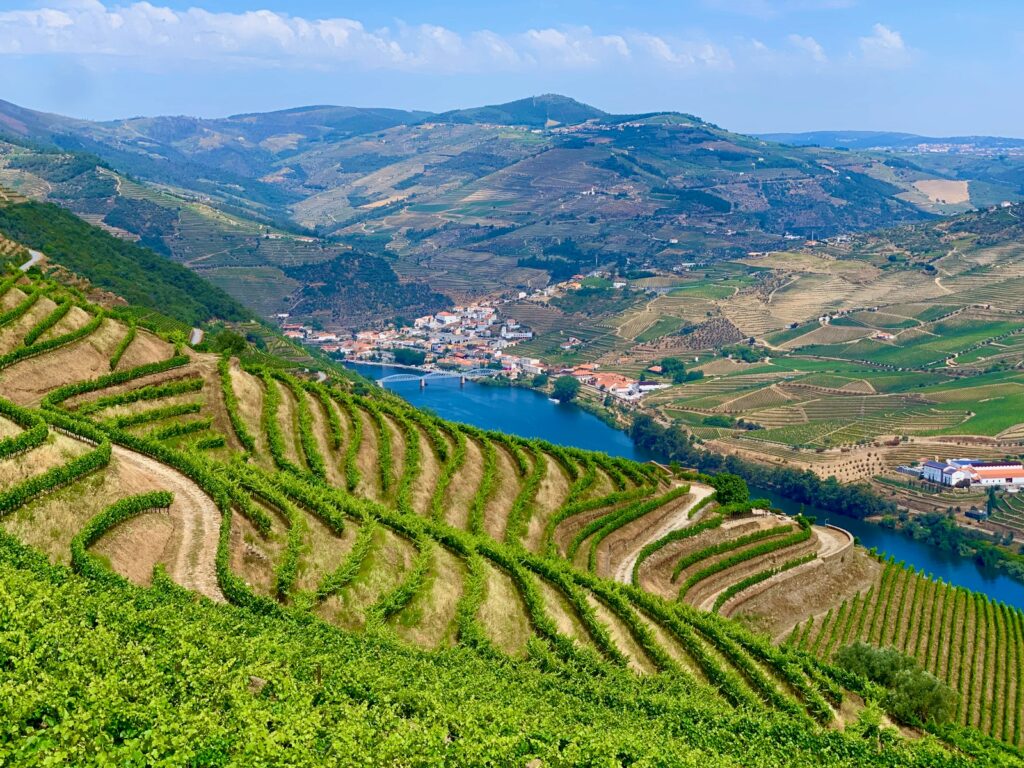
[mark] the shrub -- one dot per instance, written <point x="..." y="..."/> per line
<point x="914" y="695"/>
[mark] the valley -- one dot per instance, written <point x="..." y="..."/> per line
<point x="135" y="459"/>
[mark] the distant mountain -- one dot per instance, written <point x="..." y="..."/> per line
<point x="886" y="140"/>
<point x="473" y="201"/>
<point x="548" y="110"/>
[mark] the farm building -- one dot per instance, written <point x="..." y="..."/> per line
<point x="963" y="473"/>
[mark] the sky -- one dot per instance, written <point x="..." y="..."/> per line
<point x="940" y="67"/>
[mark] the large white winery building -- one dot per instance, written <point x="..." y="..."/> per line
<point x="963" y="473"/>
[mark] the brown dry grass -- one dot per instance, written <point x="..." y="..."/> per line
<point x="383" y="570"/>
<point x="430" y="471"/>
<point x="429" y="620"/>
<point x="366" y="458"/>
<point x="27" y="381"/>
<point x="11" y="335"/>
<point x="506" y="489"/>
<point x="464" y="485"/>
<point x="145" y="348"/>
<point x="136" y="546"/>
<point x="552" y="492"/>
<point x="563" y="614"/>
<point x="503" y="614"/>
<point x="777" y="610"/>
<point x="321" y="432"/>
<point x="249" y="392"/>
<point x="622" y="637"/>
<point x="57" y="450"/>
<point x="323" y="551"/>
<point x="286" y="420"/>
<point x="621" y="543"/>
<point x="72" y="321"/>
<point x="254" y="558"/>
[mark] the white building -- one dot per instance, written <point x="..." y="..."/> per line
<point x="963" y="473"/>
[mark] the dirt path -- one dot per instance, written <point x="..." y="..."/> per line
<point x="192" y="549"/>
<point x="680" y="519"/>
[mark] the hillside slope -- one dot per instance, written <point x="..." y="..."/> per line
<point x="463" y="198"/>
<point x="318" y="506"/>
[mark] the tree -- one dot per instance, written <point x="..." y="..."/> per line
<point x="730" y="489"/>
<point x="566" y="388"/>
<point x="914" y="695"/>
<point x="540" y="381"/>
<point x="405" y="356"/>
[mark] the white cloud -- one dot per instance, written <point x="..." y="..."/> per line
<point x="884" y="47"/>
<point x="158" y="36"/>
<point x="810" y="46"/>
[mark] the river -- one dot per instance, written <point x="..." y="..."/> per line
<point x="530" y="414"/>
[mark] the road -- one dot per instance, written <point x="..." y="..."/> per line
<point x="36" y="258"/>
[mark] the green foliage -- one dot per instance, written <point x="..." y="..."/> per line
<point x="913" y="694"/>
<point x="677" y="535"/>
<point x="730" y="489"/>
<point x="405" y="356"/>
<point x="38" y="348"/>
<point x="155" y="414"/>
<point x="180" y="428"/>
<point x="142" y="394"/>
<point x="17" y="496"/>
<point x="20" y="308"/>
<point x="742" y="556"/>
<point x="33" y="434"/>
<point x="122" y="345"/>
<point x="135" y="273"/>
<point x="565" y="389"/>
<point x="231" y="405"/>
<point x="756" y="578"/>
<point x="55" y="316"/>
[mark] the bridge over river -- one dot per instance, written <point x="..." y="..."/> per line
<point x="424" y="377"/>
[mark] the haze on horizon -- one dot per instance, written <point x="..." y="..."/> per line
<point x="757" y="66"/>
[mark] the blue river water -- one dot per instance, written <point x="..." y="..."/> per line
<point x="530" y="414"/>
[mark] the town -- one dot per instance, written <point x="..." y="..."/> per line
<point x="474" y="336"/>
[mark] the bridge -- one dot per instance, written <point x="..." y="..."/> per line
<point x="427" y="376"/>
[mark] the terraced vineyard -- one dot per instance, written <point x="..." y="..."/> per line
<point x="135" y="460"/>
<point x="963" y="638"/>
<point x="348" y="505"/>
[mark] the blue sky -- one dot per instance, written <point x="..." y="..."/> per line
<point x="938" y="67"/>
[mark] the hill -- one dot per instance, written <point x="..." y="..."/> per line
<point x="237" y="559"/>
<point x="472" y="201"/>
<point x="544" y="111"/>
